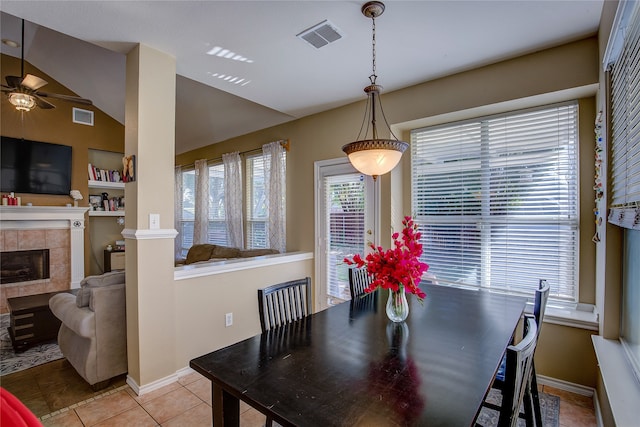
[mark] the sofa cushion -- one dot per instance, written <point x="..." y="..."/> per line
<point x="89" y="282"/>
<point x="225" y="252"/>
<point x="247" y="253"/>
<point x="200" y="252"/>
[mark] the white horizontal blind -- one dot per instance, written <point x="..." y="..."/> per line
<point x="625" y="128"/>
<point x="344" y="201"/>
<point x="217" y="233"/>
<point x="496" y="200"/>
<point x="187" y="211"/>
<point x="257" y="211"/>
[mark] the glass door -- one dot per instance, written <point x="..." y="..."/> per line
<point x="345" y="224"/>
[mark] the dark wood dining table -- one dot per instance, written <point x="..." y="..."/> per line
<point x="349" y="365"/>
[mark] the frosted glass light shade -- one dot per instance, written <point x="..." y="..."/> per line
<point x="22" y="101"/>
<point x="375" y="157"/>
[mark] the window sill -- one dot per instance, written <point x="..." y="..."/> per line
<point x="620" y="384"/>
<point x="583" y="317"/>
<point x="227" y="266"/>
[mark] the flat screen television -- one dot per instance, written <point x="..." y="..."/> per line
<point x="34" y="167"/>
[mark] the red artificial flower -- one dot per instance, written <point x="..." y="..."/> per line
<point x="397" y="266"/>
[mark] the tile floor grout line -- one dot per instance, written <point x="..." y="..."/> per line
<point x="82" y="403"/>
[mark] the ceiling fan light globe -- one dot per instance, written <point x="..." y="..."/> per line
<point x="22" y="101"/>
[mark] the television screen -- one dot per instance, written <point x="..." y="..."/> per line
<point x="34" y="167"/>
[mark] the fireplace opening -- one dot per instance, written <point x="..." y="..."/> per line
<point x="23" y="266"/>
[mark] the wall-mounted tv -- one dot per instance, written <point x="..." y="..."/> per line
<point x="34" y="167"/>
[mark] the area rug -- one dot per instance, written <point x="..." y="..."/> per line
<point x="549" y="406"/>
<point x="11" y="362"/>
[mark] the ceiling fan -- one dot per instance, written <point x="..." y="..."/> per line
<point x="23" y="91"/>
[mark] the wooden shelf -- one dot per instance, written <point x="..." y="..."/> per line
<point x="106" y="184"/>
<point x="106" y="213"/>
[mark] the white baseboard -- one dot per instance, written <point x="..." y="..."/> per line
<point x="566" y="386"/>
<point x="147" y="388"/>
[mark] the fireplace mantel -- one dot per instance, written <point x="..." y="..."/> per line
<point x="41" y="213"/>
<point x="45" y="217"/>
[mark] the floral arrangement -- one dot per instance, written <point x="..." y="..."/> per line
<point x="397" y="266"/>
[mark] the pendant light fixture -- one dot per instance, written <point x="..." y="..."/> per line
<point x="371" y="154"/>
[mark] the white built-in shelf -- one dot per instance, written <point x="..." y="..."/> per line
<point x="106" y="213"/>
<point x="106" y="184"/>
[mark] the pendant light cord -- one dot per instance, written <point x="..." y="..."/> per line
<point x="373" y="76"/>
<point x="22" y="55"/>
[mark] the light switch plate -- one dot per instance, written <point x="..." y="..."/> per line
<point x="154" y="221"/>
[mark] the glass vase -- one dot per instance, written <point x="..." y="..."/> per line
<point x="397" y="305"/>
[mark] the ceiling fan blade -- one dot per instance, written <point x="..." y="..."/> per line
<point x="33" y="82"/>
<point x="7" y="88"/>
<point x="41" y="103"/>
<point x="13" y="81"/>
<point x="69" y="98"/>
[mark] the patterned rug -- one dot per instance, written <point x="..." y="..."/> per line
<point x="11" y="361"/>
<point x="549" y="406"/>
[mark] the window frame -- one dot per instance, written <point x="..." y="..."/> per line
<point x="249" y="175"/>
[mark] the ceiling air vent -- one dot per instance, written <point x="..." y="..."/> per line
<point x="84" y="117"/>
<point x="321" y="34"/>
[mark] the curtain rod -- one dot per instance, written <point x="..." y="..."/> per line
<point x="285" y="143"/>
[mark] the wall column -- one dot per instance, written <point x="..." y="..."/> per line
<point x="150" y="136"/>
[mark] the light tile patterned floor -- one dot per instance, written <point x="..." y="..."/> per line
<point x="188" y="403"/>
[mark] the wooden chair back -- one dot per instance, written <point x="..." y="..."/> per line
<point x="359" y="280"/>
<point x="517" y="373"/>
<point x="284" y="303"/>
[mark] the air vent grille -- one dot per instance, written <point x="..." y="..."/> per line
<point x="321" y="34"/>
<point x="84" y="117"/>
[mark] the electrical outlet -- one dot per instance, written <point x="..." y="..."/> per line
<point x="228" y="319"/>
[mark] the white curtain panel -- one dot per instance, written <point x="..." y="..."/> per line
<point x="233" y="198"/>
<point x="275" y="188"/>
<point x="201" y="216"/>
<point x="177" y="212"/>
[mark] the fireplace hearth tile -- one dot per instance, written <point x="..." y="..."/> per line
<point x="57" y="239"/>
<point x="9" y="240"/>
<point x="31" y="239"/>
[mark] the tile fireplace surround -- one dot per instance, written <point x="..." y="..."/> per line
<point x="59" y="229"/>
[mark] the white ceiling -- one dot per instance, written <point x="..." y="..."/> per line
<point x="416" y="41"/>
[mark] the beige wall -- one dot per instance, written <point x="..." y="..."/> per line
<point x="56" y="126"/>
<point x="505" y="85"/>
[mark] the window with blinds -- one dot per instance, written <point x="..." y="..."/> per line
<point x="187" y="211"/>
<point x="622" y="59"/>
<point x="625" y="128"/>
<point x="256" y="203"/>
<point x="217" y="223"/>
<point x="496" y="199"/>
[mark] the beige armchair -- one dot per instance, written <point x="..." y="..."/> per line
<point x="93" y="334"/>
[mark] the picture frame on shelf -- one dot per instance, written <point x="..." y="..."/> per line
<point x="129" y="168"/>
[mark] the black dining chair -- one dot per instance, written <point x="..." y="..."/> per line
<point x="516" y="384"/>
<point x="284" y="303"/>
<point x="359" y="280"/>
<point x="539" y="307"/>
